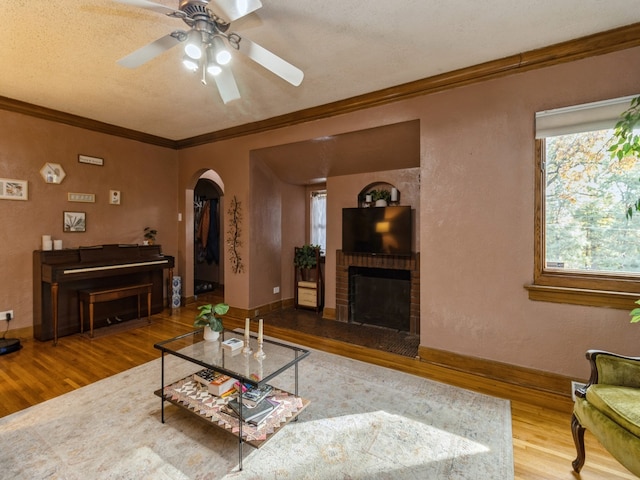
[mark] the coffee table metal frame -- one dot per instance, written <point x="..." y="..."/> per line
<point x="227" y="363"/>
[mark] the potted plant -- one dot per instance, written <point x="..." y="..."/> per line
<point x="150" y="235"/>
<point x="305" y="258"/>
<point x="380" y="197"/>
<point x="209" y="319"/>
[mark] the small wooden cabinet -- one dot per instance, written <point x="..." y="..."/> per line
<point x="309" y="285"/>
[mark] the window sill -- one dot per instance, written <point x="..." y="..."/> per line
<point x="582" y="296"/>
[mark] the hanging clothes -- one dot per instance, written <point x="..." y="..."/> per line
<point x="212" y="244"/>
<point x="202" y="234"/>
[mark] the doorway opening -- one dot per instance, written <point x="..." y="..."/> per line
<point x="207" y="237"/>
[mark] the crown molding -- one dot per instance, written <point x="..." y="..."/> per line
<point x="592" y="45"/>
<point x="57" y="116"/>
<point x="597" y="44"/>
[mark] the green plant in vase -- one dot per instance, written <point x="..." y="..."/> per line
<point x="210" y="319"/>
<point x="305" y="259"/>
<point x="377" y="195"/>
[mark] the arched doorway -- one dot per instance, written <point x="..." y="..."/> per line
<point x="207" y="245"/>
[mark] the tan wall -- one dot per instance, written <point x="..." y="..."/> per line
<point x="475" y="212"/>
<point x="144" y="174"/>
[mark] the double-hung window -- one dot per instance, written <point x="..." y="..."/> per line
<point x="318" y="208"/>
<point x="586" y="251"/>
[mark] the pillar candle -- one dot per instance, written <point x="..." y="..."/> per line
<point x="247" y="328"/>
<point x="57" y="244"/>
<point x="260" y="331"/>
<point x="367" y="198"/>
<point x="47" y="245"/>
<point x="394" y="194"/>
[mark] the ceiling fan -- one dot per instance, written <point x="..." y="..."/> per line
<point x="206" y="42"/>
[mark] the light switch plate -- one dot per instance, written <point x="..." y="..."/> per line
<point x="114" y="197"/>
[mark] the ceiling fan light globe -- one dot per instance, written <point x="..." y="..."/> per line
<point x="190" y="63"/>
<point x="222" y="54"/>
<point x="194" y="51"/>
<point x="223" y="57"/>
<point x="214" y="69"/>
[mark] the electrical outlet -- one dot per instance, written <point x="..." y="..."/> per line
<point x="3" y="315"/>
<point x="574" y="386"/>
<point x="276" y="289"/>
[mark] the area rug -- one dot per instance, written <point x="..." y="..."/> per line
<point x="363" y="422"/>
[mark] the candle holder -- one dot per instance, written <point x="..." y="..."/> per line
<point x="259" y="355"/>
<point x="247" y="337"/>
<point x="247" y="346"/>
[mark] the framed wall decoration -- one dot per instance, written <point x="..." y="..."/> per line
<point x="75" y="222"/>
<point x="53" y="173"/>
<point x="91" y="160"/>
<point x="14" y="189"/>
<point x="81" y="197"/>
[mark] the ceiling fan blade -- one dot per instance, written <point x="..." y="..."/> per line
<point x="232" y="10"/>
<point x="151" y="51"/>
<point x="155" y="7"/>
<point x="227" y="85"/>
<point x="271" y="61"/>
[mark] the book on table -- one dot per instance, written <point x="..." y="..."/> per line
<point x="261" y="418"/>
<point x="232" y="344"/>
<point x="217" y="383"/>
<point x="262" y="409"/>
<point x="255" y="395"/>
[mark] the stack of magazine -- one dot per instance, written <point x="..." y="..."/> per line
<point x="256" y="405"/>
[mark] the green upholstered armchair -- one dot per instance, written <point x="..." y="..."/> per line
<point x="609" y="407"/>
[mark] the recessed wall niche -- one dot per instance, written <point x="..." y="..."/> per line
<point x="369" y="196"/>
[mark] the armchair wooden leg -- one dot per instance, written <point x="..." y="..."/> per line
<point x="578" y="438"/>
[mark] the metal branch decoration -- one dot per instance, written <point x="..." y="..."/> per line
<point x="233" y="236"/>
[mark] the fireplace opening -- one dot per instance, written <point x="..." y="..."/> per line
<point x="380" y="296"/>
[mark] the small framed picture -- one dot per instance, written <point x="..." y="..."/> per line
<point x="14" y="189"/>
<point x="75" y="222"/>
<point x="91" y="160"/>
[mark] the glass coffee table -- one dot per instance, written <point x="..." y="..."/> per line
<point x="247" y="369"/>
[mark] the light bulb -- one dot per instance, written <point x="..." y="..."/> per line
<point x="190" y="63"/>
<point x="222" y="54"/>
<point x="193" y="51"/>
<point x="193" y="46"/>
<point x="214" y="69"/>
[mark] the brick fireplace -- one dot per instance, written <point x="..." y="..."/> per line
<point x="377" y="263"/>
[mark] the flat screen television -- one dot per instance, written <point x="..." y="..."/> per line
<point x="377" y="230"/>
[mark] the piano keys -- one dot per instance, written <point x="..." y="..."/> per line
<point x="59" y="274"/>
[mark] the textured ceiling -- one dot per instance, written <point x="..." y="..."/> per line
<point x="61" y="54"/>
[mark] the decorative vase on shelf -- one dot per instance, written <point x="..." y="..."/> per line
<point x="210" y="335"/>
<point x="381" y="203"/>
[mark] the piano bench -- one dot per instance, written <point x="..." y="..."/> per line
<point x="106" y="295"/>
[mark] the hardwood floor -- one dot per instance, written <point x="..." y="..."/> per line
<point x="542" y="443"/>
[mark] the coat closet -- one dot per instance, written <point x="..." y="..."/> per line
<point x="207" y="233"/>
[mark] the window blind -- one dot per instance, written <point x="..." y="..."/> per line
<point x="581" y="118"/>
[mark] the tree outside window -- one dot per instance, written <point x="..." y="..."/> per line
<point x="585" y="193"/>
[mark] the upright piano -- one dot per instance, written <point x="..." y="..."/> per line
<point x="59" y="274"/>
